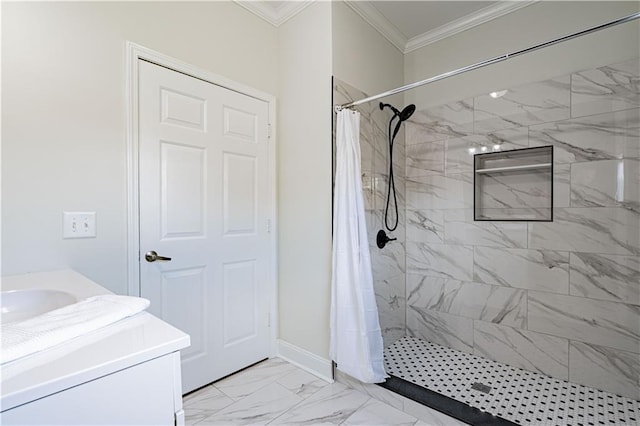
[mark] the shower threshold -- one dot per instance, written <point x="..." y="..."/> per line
<point x="480" y="391"/>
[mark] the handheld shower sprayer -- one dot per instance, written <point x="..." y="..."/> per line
<point x="401" y="116"/>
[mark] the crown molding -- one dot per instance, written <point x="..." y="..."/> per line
<point x="377" y="20"/>
<point x="466" y="22"/>
<point x="276" y="16"/>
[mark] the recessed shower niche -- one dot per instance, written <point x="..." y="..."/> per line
<point x="514" y="185"/>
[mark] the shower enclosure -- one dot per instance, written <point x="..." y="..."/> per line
<point x="556" y="302"/>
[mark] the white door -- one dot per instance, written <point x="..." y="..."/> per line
<point x="204" y="203"/>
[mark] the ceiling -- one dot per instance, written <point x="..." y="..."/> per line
<point x="408" y="25"/>
<point x="414" y="18"/>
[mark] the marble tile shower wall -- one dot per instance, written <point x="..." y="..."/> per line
<point x="560" y="298"/>
<point x="389" y="263"/>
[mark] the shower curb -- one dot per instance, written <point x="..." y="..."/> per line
<point x="444" y="404"/>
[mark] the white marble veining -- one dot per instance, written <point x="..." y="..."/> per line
<point x="605" y="368"/>
<point x="440" y="260"/>
<point x="608" y="183"/>
<point x="561" y="185"/>
<point x="373" y="390"/>
<point x="425" y="158"/>
<point x="522" y="348"/>
<point x="471" y="300"/>
<point x="454" y="119"/>
<point x="599" y="322"/>
<point x="533" y="103"/>
<point x="606" y="277"/>
<point x="302" y="383"/>
<point x="257" y="408"/>
<point x="441" y="328"/>
<point x="209" y="398"/>
<point x="333" y="404"/>
<point x="543" y="270"/>
<point x="246" y="382"/>
<point x="610" y="136"/>
<point x="459" y="152"/>
<point x="374" y="412"/>
<point x="391" y="302"/>
<point x="605" y="230"/>
<point x="611" y="88"/>
<point x="429" y="416"/>
<point x="453" y="191"/>
<point x="460" y="228"/>
<point x="425" y="226"/>
<point x="389" y="261"/>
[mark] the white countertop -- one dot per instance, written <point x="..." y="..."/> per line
<point x="123" y="344"/>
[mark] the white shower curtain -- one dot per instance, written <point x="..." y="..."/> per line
<point x="356" y="338"/>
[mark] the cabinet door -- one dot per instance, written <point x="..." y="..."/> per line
<point x="140" y="395"/>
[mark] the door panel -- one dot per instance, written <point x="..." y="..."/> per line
<point x="183" y="190"/>
<point x="204" y="202"/>
<point x="183" y="110"/>
<point x="240" y="322"/>
<point x="184" y="288"/>
<point x="240" y="124"/>
<point x="240" y="194"/>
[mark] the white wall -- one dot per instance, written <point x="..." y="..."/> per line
<point x="526" y="27"/>
<point x="362" y="57"/>
<point x="304" y="178"/>
<point x="63" y="115"/>
<point x="325" y="38"/>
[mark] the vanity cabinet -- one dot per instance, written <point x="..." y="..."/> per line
<point x="144" y="394"/>
<point x="127" y="373"/>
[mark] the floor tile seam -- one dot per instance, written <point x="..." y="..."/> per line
<point x="201" y="420"/>
<point x="369" y="398"/>
<point x="253" y="393"/>
<point x="215" y="410"/>
<point x="271" y="381"/>
<point x="198" y="398"/>
<point x="298" y="370"/>
<point x="261" y="389"/>
<point x="303" y="400"/>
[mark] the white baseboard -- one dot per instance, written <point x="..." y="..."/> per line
<point x="306" y="360"/>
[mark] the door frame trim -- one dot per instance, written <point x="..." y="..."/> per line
<point x="135" y="53"/>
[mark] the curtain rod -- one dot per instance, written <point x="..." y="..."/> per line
<point x="495" y="60"/>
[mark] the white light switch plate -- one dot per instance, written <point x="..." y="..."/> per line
<point x="78" y="224"/>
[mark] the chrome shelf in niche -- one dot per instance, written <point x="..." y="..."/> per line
<point x="515" y="185"/>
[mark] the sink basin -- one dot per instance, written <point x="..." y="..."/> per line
<point x="16" y="305"/>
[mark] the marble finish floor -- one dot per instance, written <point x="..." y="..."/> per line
<point x="276" y="392"/>
<point x="517" y="395"/>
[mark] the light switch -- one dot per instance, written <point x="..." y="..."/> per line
<point x="78" y="224"/>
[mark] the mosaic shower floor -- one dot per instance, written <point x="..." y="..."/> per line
<point x="517" y="395"/>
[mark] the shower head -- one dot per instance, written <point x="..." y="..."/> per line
<point x="402" y="115"/>
<point x="407" y="112"/>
